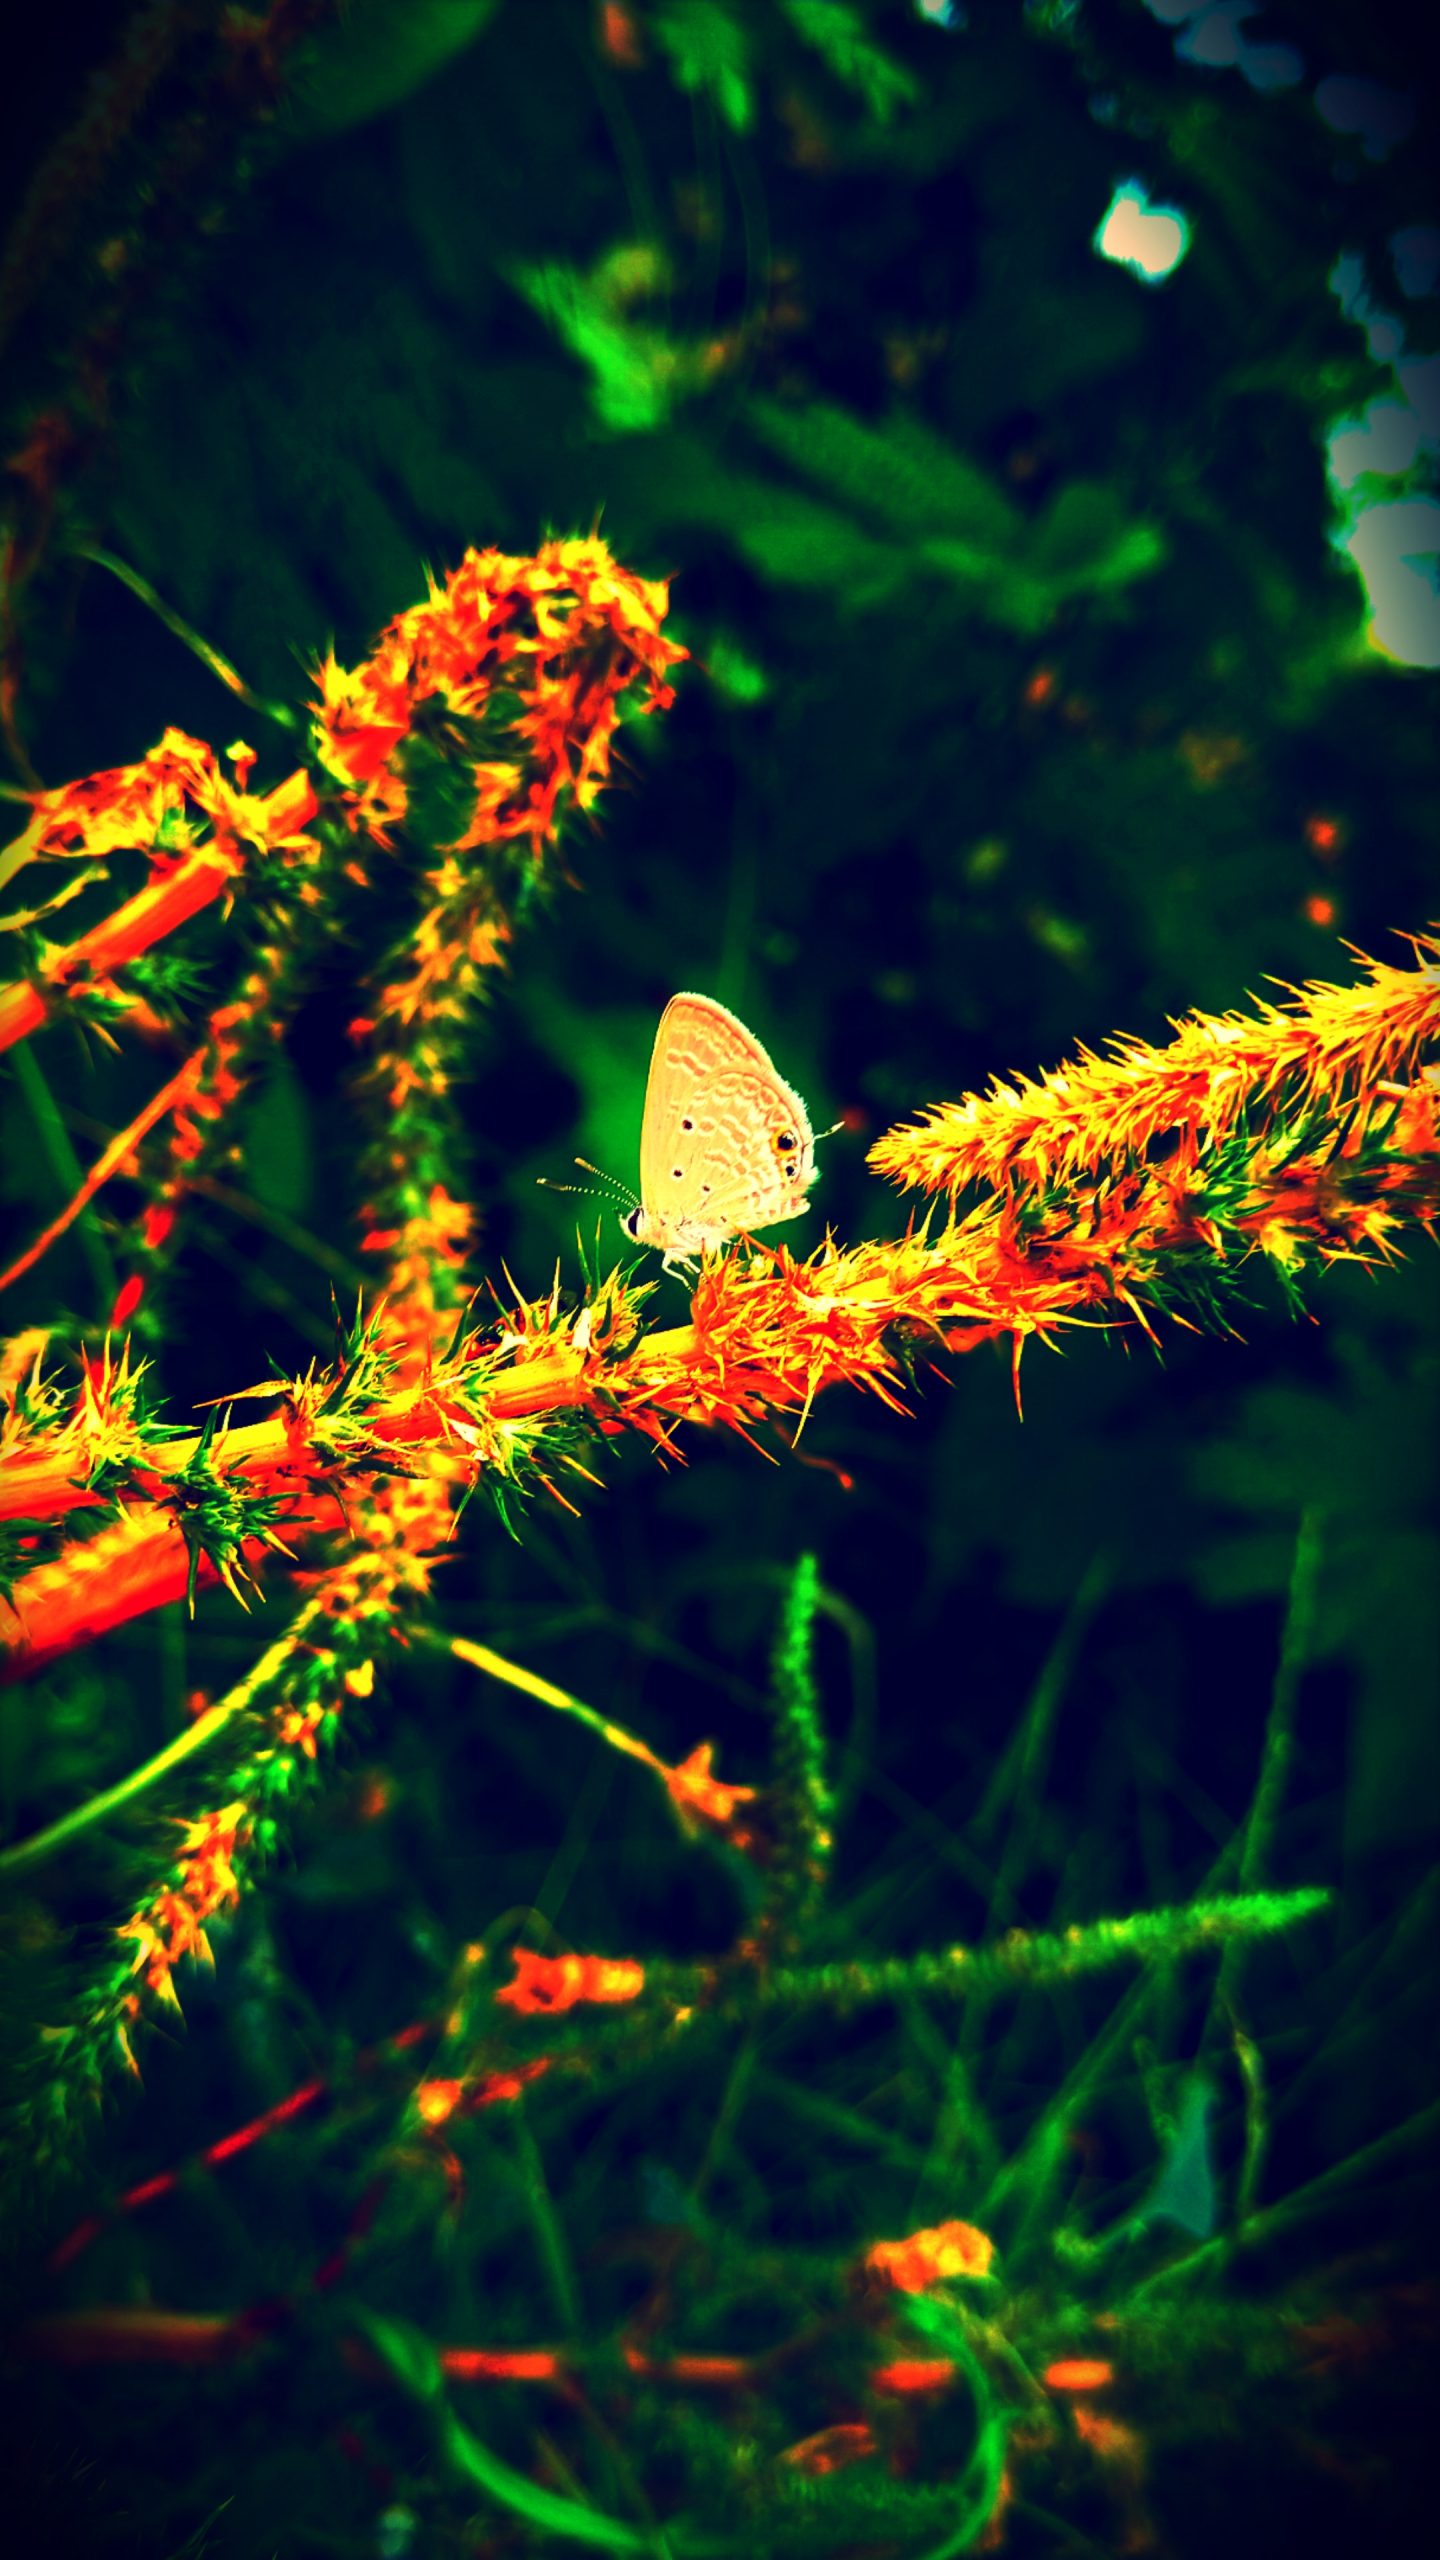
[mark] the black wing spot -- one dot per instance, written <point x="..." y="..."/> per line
<point x="677" y="1172"/>
<point x="687" y="1124"/>
<point x="785" y="1142"/>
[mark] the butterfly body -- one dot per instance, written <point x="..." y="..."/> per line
<point x="725" y="1144"/>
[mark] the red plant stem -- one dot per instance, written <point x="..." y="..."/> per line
<point x="137" y="1564"/>
<point x="160" y="908"/>
<point x="761" y="1344"/>
<point x="38" y="1487"/>
<point x="154" y="911"/>
<point x="112" y="2335"/>
<point x="149" y="2190"/>
<point x="22" y="1011"/>
<point x="766" y="1337"/>
<point x="180" y="1089"/>
<point x="331" y="2269"/>
<point x="501" y="2364"/>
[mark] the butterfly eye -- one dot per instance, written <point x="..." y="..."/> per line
<point x="631" y="1222"/>
<point x="785" y="1142"/>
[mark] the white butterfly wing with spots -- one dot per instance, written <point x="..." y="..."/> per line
<point x="725" y="1144"/>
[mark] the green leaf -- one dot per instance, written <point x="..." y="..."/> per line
<point x="903" y="474"/>
<point x="376" y="56"/>
<point x="525" y="2497"/>
<point x="1085" y="541"/>
<point x="836" y="31"/>
<point x="633" y="369"/>
<point x="709" y="50"/>
<point x="411" y="2358"/>
<point x="405" y="2350"/>
<point x="940" y="512"/>
<point x="800" y="543"/>
<point x="978" y="2488"/>
<point x="734" y="672"/>
<point x="949" y="492"/>
<point x="1184" y="2192"/>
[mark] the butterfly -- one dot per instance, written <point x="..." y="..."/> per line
<point x="725" y="1143"/>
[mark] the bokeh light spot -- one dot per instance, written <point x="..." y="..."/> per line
<point x="1149" y="239"/>
<point x="1416" y="252"/>
<point x="1380" y="116"/>
<point x="1386" y="438"/>
<point x="1395" y="548"/>
<point x="1212" y="34"/>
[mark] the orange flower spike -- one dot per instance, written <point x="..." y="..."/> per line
<point x="1122" y="2452"/>
<point x="931" y="2257"/>
<point x="298" y="1729"/>
<point x="914" y="2374"/>
<point x="1078" y="2373"/>
<point x="695" y="1794"/>
<point x="833" y="2449"/>
<point x="147" y="1943"/>
<point x="467" y="634"/>
<point x="619" y="36"/>
<point x="1328" y="1040"/>
<point x="1107" y="2437"/>
<point x="435" y="2100"/>
<point x="207" y="1849"/>
<point x="144" y="806"/>
<point x="502" y="2364"/>
<point x="124" y="807"/>
<point x="127" y="1299"/>
<point x="548" y="1984"/>
<point x="501" y="2088"/>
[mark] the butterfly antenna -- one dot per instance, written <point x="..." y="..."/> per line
<point x="606" y="1181"/>
<point x="577" y="1190"/>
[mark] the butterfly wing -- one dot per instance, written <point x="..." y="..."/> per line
<point x="725" y="1142"/>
